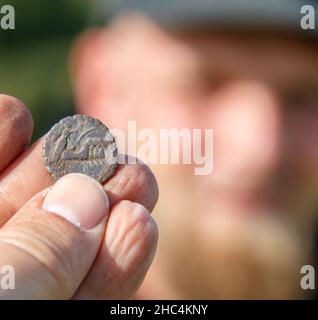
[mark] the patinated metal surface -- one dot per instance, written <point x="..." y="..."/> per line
<point x="80" y="144"/>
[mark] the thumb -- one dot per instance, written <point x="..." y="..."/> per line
<point x="53" y="240"/>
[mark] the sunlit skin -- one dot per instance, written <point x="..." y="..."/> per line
<point x="52" y="258"/>
<point x="244" y="230"/>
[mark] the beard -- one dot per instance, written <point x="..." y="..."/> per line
<point x="233" y="257"/>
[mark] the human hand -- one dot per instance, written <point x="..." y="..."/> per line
<point x="52" y="257"/>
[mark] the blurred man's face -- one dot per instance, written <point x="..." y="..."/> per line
<point x="243" y="230"/>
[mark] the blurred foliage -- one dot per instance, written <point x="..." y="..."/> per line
<point x="34" y="56"/>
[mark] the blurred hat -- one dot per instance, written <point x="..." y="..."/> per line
<point x="283" y="14"/>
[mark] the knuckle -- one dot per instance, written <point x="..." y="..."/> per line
<point x="145" y="182"/>
<point x="141" y="229"/>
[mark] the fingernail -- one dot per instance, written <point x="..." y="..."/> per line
<point x="79" y="199"/>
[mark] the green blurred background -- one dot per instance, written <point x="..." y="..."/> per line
<point x="34" y="57"/>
